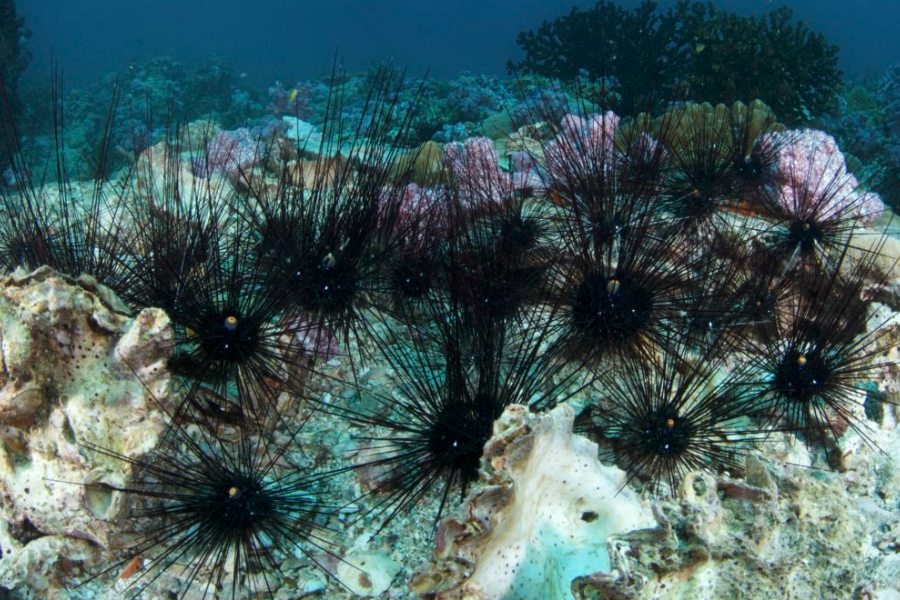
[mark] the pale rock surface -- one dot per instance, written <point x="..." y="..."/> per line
<point x="544" y="511"/>
<point x="75" y="369"/>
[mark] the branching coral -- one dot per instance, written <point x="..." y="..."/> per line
<point x="692" y="49"/>
<point x="13" y="57"/>
<point x="642" y="49"/>
<point x="773" y="58"/>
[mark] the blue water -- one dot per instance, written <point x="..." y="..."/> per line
<point x="294" y="39"/>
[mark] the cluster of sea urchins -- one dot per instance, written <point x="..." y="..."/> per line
<point x="694" y="281"/>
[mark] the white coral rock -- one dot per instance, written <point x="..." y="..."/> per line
<point x="70" y="355"/>
<point x="541" y="515"/>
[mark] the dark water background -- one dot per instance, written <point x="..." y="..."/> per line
<point x="293" y="39"/>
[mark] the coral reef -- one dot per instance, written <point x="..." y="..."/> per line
<point x="734" y="58"/>
<point x="381" y="344"/>
<point x="643" y="49"/>
<point x="14" y="58"/>
<point x="142" y="98"/>
<point x="812" y="157"/>
<point x="474" y="97"/>
<point x="476" y="164"/>
<point x="889" y="99"/>
<point x="867" y="126"/>
<point x="305" y="100"/>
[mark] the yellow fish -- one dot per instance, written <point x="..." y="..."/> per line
<point x="293" y="95"/>
<point x="700" y="47"/>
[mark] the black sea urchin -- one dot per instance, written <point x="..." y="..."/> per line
<point x="805" y="370"/>
<point x="231" y="337"/>
<point x="219" y="516"/>
<point x="231" y="341"/>
<point x="621" y="299"/>
<point x="326" y="239"/>
<point x="757" y="140"/>
<point x="819" y="204"/>
<point x="618" y="285"/>
<point x="417" y="265"/>
<point x="669" y="414"/>
<point x="699" y="141"/>
<point x="458" y="363"/>
<point x="500" y="257"/>
<point x="74" y="232"/>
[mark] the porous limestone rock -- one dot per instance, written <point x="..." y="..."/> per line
<point x="37" y="565"/>
<point x="794" y="536"/>
<point x="546" y="521"/>
<point x="781" y="530"/>
<point x="544" y="511"/>
<point x="156" y="171"/>
<point x="75" y="369"/>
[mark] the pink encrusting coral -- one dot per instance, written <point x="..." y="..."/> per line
<point x="647" y="148"/>
<point x="815" y="179"/>
<point x="232" y="152"/>
<point x="525" y="173"/>
<point x="587" y="141"/>
<point x="417" y="202"/>
<point x="476" y="165"/>
<point x="422" y="215"/>
<point x="641" y="166"/>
